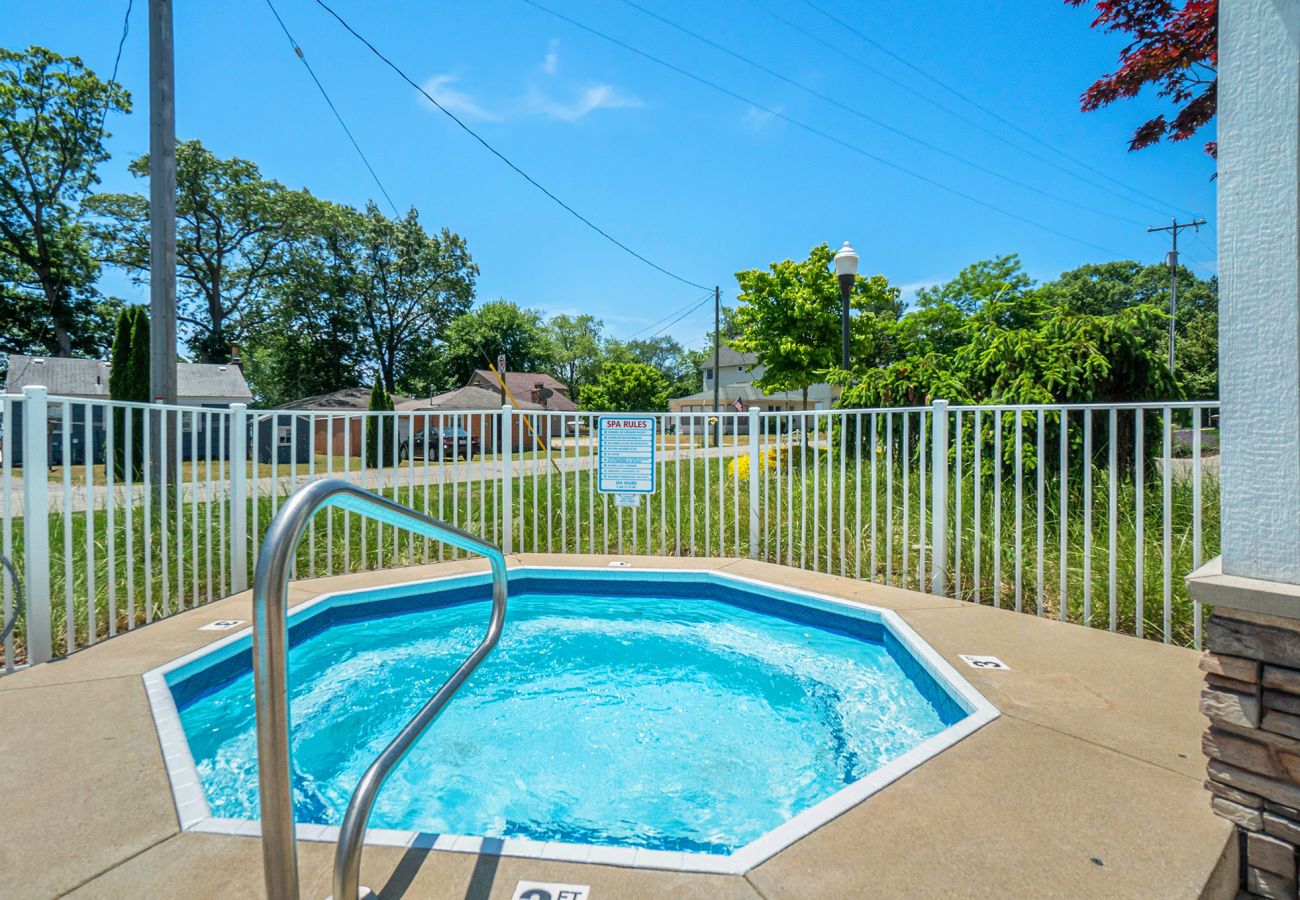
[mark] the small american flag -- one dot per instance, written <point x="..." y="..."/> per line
<point x="740" y="407"/>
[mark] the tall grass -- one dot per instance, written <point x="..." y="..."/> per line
<point x="815" y="511"/>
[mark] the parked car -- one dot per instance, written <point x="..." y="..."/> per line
<point x="441" y="443"/>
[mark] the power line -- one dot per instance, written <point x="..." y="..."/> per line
<point x="297" y="49"/>
<point x="981" y="107"/>
<point x="117" y="60"/>
<point x="879" y="123"/>
<point x="689" y="308"/>
<point x="499" y="155"/>
<point x="702" y="301"/>
<point x="956" y="114"/>
<point x="817" y="131"/>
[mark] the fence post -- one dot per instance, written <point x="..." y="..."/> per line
<point x="36" y="523"/>
<point x="238" y="497"/>
<point x="755" y="472"/>
<point x="939" y="498"/>
<point x="507" y="477"/>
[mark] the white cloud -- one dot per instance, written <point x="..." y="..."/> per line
<point x="909" y="290"/>
<point x="439" y="87"/>
<point x="551" y="62"/>
<point x="587" y="100"/>
<point x="554" y="102"/>
<point x="758" y="119"/>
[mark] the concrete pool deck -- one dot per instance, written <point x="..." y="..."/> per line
<point x="1088" y="784"/>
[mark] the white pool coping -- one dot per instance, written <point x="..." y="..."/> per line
<point x="195" y="815"/>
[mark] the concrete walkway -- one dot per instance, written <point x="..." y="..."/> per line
<point x="1088" y="785"/>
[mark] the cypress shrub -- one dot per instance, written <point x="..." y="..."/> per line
<point x="128" y="380"/>
<point x="378" y="428"/>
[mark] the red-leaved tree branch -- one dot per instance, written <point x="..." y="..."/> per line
<point x="1174" y="47"/>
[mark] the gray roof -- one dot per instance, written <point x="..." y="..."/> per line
<point x="729" y="357"/>
<point x="89" y="378"/>
<point x="348" y="398"/>
<point x="470" y="397"/>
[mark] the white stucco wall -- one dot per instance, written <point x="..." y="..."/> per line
<point x="1259" y="253"/>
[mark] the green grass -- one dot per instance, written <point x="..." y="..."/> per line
<point x="560" y="512"/>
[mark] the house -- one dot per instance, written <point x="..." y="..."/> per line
<point x="197" y="384"/>
<point x="527" y="391"/>
<point x="283" y="438"/>
<point x="530" y="390"/>
<point x="337" y="422"/>
<point x="736" y="374"/>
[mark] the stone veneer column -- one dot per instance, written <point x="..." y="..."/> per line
<point x="1252" y="666"/>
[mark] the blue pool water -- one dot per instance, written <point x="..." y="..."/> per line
<point x="693" y="718"/>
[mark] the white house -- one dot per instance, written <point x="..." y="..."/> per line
<point x="736" y="375"/>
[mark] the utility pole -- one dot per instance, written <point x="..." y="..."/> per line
<point x="717" y="344"/>
<point x="162" y="222"/>
<point x="1173" y="228"/>
<point x="717" y="360"/>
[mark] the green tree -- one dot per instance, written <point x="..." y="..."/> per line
<point x="128" y="380"/>
<point x="379" y="433"/>
<point x="789" y="317"/>
<point x="627" y="387"/>
<point x="577" y="351"/>
<point x="1108" y="288"/>
<point x="233" y="231"/>
<point x="680" y="367"/>
<point x="50" y="147"/>
<point x="310" y="341"/>
<point x="411" y="286"/>
<point x="494" y="328"/>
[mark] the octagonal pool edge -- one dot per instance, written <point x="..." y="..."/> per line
<point x="195" y="815"/>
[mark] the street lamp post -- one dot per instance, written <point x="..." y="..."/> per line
<point x="846" y="269"/>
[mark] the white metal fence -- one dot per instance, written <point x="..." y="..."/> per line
<point x="117" y="514"/>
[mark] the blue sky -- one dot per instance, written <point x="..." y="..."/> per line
<point x="702" y="183"/>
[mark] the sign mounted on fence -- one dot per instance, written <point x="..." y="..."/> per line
<point x="626" y="448"/>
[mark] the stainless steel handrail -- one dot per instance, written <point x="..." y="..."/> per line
<point x="270" y="643"/>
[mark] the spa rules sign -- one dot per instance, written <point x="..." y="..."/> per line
<point x="627" y="454"/>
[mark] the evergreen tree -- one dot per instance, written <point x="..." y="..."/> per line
<point x="378" y="428"/>
<point x="128" y="380"/>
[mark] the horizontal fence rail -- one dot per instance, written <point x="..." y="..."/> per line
<point x="116" y="514"/>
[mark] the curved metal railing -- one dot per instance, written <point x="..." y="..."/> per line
<point x="270" y="643"/>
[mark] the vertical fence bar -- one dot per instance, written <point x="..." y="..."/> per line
<point x="997" y="508"/>
<point x="36" y="533"/>
<point x="959" y="487"/>
<point x="1087" y="517"/>
<point x="922" y="465"/>
<point x="874" y="501"/>
<point x="1196" y="518"/>
<point x="1063" y="535"/>
<point x="1167" y="500"/>
<point x="1139" y="522"/>
<point x="1113" y="519"/>
<point x="755" y="472"/>
<point x="88" y="444"/>
<point x="1020" y="510"/>
<point x="508" y="477"/>
<point x="1040" y="465"/>
<point x="7" y="517"/>
<point x="110" y="515"/>
<point x="238" y="498"/>
<point x="939" y="498"/>
<point x="70" y="622"/>
<point x="889" y="497"/>
<point x="977" y="503"/>
<point x="128" y="477"/>
<point x="907" y="482"/>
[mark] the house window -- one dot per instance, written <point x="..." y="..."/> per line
<point x="284" y="435"/>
